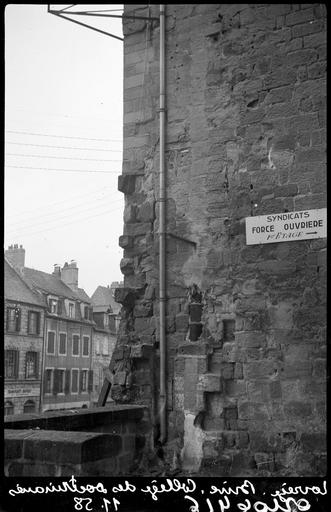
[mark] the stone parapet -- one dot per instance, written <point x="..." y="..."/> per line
<point x="105" y="441"/>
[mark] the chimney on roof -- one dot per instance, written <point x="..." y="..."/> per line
<point x="69" y="274"/>
<point x="16" y="256"/>
<point x="57" y="270"/>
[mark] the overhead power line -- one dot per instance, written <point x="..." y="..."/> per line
<point x="62" y="136"/>
<point x="82" y="171"/>
<point x="65" y="224"/>
<point x="62" y="147"/>
<point x="98" y="10"/>
<point x="68" y="7"/>
<point x="58" y="217"/>
<point x="65" y="157"/>
<point x="90" y="193"/>
<point x="36" y="217"/>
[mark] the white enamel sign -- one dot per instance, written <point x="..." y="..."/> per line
<point x="286" y="227"/>
<point x="17" y="391"/>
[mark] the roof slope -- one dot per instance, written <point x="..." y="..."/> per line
<point x="52" y="285"/>
<point x="103" y="298"/>
<point x="16" y="289"/>
<point x="82" y="295"/>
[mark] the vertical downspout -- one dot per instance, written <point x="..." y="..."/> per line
<point x="162" y="234"/>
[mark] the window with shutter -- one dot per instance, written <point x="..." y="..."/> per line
<point x="75" y="344"/>
<point x="83" y="381"/>
<point x="74" y="381"/>
<point x="67" y="382"/>
<point x="86" y="345"/>
<point x="11" y="364"/>
<point x="33" y="322"/>
<point x="56" y="382"/>
<point x="31" y="365"/>
<point x="71" y="310"/>
<point x="63" y="343"/>
<point x="90" y="380"/>
<point x="48" y="376"/>
<point x="61" y="384"/>
<point x="80" y="381"/>
<point x="51" y="342"/>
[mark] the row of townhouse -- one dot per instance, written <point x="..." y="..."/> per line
<point x="54" y="349"/>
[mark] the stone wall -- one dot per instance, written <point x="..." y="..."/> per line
<point x="108" y="441"/>
<point x="245" y="325"/>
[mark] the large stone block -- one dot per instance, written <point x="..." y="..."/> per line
<point x="125" y="241"/>
<point x="193" y="349"/>
<point x="253" y="411"/>
<point x="210" y="382"/>
<point x="146" y="212"/>
<point x="298" y="410"/>
<point x="74" y="447"/>
<point x="182" y="321"/>
<point x="251" y="339"/>
<point x="145" y="325"/>
<point x="127" y="266"/>
<point x="141" y="351"/>
<point x="143" y="309"/>
<point x="126" y="183"/>
<point x="264" y="369"/>
<point x="125" y="296"/>
<point x="314" y="441"/>
<point x="120" y="378"/>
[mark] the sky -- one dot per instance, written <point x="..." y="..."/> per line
<point x="63" y="141"/>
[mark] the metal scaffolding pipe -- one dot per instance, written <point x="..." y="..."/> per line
<point x="162" y="235"/>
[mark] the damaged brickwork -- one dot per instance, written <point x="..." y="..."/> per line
<point x="245" y="325"/>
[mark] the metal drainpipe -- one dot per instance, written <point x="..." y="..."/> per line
<point x="162" y="234"/>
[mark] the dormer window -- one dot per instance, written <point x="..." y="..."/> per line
<point x="53" y="303"/>
<point x="71" y="309"/>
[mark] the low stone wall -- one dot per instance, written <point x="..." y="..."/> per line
<point x="105" y="442"/>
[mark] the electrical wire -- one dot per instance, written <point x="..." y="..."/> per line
<point x="66" y="8"/>
<point x="97" y="191"/>
<point x="81" y="171"/>
<point x="66" y="116"/>
<point x="67" y="223"/>
<point x="65" y="158"/>
<point x="62" y="147"/>
<point x="61" y="136"/>
<point x="52" y="213"/>
<point x="61" y="217"/>
<point x="55" y="220"/>
<point x="104" y="10"/>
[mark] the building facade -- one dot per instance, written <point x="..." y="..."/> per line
<point x="245" y="324"/>
<point x="23" y="344"/>
<point x="67" y="375"/>
<point x="106" y="315"/>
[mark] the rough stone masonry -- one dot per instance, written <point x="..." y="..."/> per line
<point x="245" y="325"/>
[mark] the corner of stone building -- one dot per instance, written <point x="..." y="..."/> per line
<point x="245" y="324"/>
